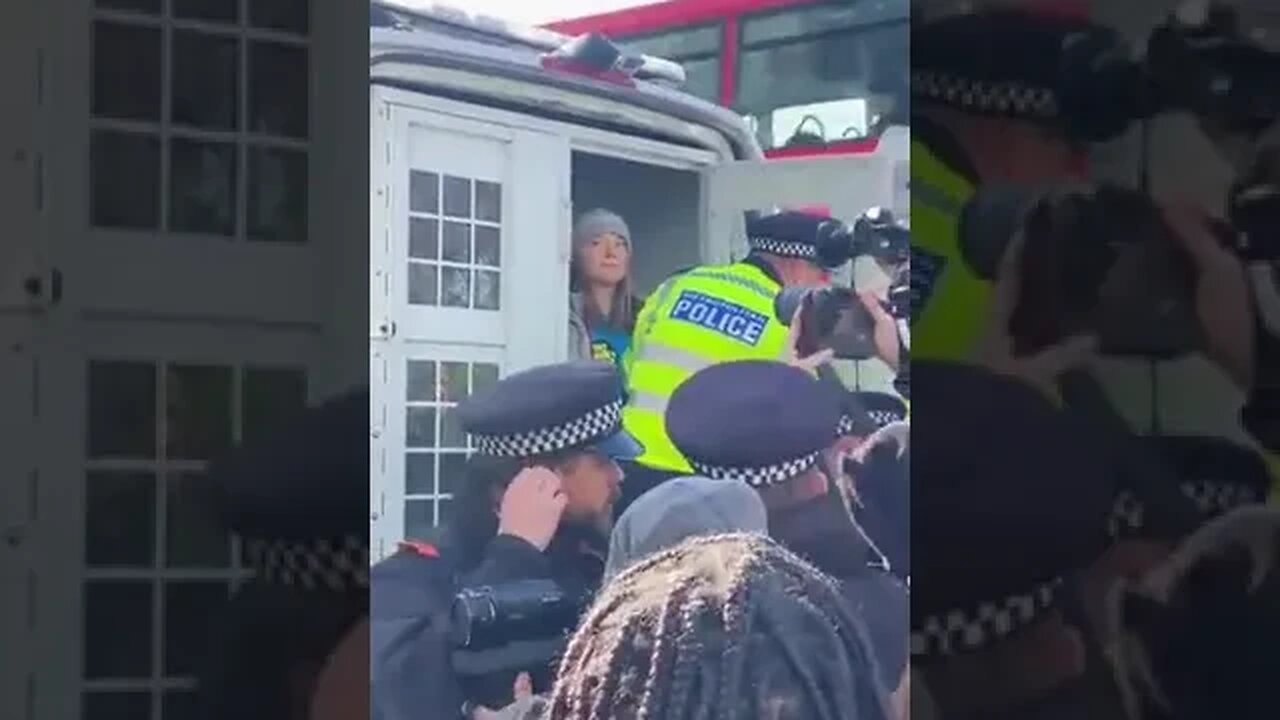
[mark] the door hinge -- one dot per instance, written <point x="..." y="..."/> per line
<point x="46" y="289"/>
<point x="387" y="329"/>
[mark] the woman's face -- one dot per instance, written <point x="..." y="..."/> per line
<point x="605" y="260"/>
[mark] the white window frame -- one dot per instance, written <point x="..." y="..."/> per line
<point x="194" y="268"/>
<point x="64" y="423"/>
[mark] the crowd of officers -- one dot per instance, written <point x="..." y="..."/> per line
<point x="738" y="531"/>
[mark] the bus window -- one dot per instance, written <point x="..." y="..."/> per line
<point x="825" y="73"/>
<point x="696" y="48"/>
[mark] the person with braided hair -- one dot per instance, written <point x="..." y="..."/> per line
<point x="731" y="626"/>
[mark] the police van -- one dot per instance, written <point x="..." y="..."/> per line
<point x="486" y="140"/>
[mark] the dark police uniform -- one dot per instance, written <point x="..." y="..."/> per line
<point x="297" y="498"/>
<point x="1010" y="500"/>
<point x="550" y="409"/>
<point x="767" y="423"/>
<point x="883" y="479"/>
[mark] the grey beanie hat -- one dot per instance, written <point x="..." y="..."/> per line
<point x="594" y="223"/>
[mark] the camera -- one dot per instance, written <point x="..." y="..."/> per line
<point x="1098" y="261"/>
<point x="834" y="317"/>
<point x="1198" y="61"/>
<point x="491" y="617"/>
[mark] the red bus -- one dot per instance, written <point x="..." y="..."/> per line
<point x="825" y="77"/>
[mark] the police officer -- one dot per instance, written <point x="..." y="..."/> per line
<point x="1008" y="504"/>
<point x="989" y="106"/>
<point x="708" y="315"/>
<point x="871" y="449"/>
<point x="297" y="498"/>
<point x="536" y="502"/>
<point x="769" y="425"/>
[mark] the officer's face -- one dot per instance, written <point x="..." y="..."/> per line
<point x="605" y="260"/>
<point x="592" y="483"/>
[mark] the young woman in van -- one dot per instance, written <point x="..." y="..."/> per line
<point x="602" y="310"/>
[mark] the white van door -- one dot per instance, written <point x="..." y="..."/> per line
<point x="469" y="256"/>
<point x="848" y="184"/>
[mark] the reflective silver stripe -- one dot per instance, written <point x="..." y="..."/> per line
<point x="652" y="402"/>
<point x="733" y="279"/>
<point x="656" y="352"/>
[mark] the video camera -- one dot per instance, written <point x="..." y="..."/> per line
<point x="833" y="317"/>
<point x="517" y="625"/>
<point x="1198" y="61"/>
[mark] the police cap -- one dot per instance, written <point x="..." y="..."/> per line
<point x="787" y="233"/>
<point x="1023" y="65"/>
<point x="864" y="412"/>
<point x="551" y="409"/>
<point x="758" y="421"/>
<point x="298" y="497"/>
<point x="1008" y="496"/>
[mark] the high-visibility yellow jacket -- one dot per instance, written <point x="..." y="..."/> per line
<point x="703" y="316"/>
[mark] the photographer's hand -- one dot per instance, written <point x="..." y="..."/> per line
<point x="531" y="507"/>
<point x="1223" y="304"/>
<point x="791" y="353"/>
<point x="996" y="350"/>
<point x="885" y="333"/>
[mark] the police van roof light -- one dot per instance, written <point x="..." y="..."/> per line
<point x="593" y="55"/>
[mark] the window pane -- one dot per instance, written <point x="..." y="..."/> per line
<point x="457" y="242"/>
<point x="483" y="375"/>
<point x="196" y="536"/>
<point x="287" y="15"/>
<point x="453" y="472"/>
<point x="455" y="287"/>
<point x="488" y="201"/>
<point x="126" y="71"/>
<point x="840" y="85"/>
<point x="702" y="78"/>
<point x="120" y="519"/>
<point x="424" y="238"/>
<point x="451" y="434"/>
<point x="278" y="195"/>
<point x="419" y="473"/>
<point x="424" y="192"/>
<point x="214" y="10"/>
<point x="704" y="39"/>
<point x="457" y="197"/>
<point x="419" y="518"/>
<point x="189" y="608"/>
<point x="198" y="411"/>
<point x="488" y="246"/>
<point x="122" y="410"/>
<point x="420" y="381"/>
<point x="424" y="283"/>
<point x="206" y="73"/>
<point x="442" y="510"/>
<point x="182" y="705"/>
<point x="202" y="187"/>
<point x="453" y="385"/>
<point x="115" y="705"/>
<point x="124" y="205"/>
<point x="420" y="427"/>
<point x="117" y="629"/>
<point x="488" y="290"/>
<point x="279" y="89"/>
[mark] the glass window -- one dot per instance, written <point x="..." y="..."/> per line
<point x="825" y="73"/>
<point x="697" y="49"/>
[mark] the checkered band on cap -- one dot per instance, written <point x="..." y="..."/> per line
<point x="845" y="427"/>
<point x="597" y="424"/>
<point x="884" y="417"/>
<point x="1211" y="498"/>
<point x="782" y="248"/>
<point x="338" y="565"/>
<point x="962" y="630"/>
<point x="1007" y="98"/>
<point x="1215" y="498"/>
<point x="758" y="476"/>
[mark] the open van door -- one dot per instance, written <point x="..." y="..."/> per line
<point x="468" y="276"/>
<point x="847" y="184"/>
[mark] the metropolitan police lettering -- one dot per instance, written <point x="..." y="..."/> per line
<point x="719" y="316"/>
